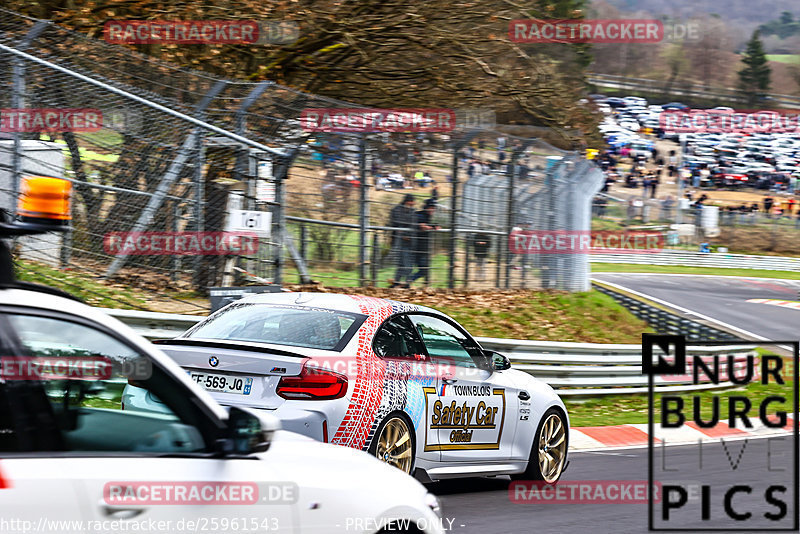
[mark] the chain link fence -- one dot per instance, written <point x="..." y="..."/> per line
<point x="173" y="151"/>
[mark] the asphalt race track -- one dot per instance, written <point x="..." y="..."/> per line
<point x="723" y="298"/>
<point x="483" y="506"/>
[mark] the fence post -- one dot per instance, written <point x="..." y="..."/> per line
<point x="280" y="227"/>
<point x="451" y="268"/>
<point x="190" y="145"/>
<point x="548" y="270"/>
<point x="363" y="214"/>
<point x="303" y="241"/>
<point x="18" y="101"/>
<point x="375" y="263"/>
<point x="18" y="90"/>
<point x="510" y="217"/>
<point x="498" y="259"/>
<point x="280" y="172"/>
<point x="200" y="192"/>
<point x="175" y="259"/>
<point x="467" y="258"/>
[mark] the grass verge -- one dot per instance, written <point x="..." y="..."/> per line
<point x="93" y="292"/>
<point x="671" y="269"/>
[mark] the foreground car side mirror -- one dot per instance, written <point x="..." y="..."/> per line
<point x="497" y="361"/>
<point x="248" y="432"/>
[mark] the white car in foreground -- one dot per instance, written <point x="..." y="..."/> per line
<point x="73" y="461"/>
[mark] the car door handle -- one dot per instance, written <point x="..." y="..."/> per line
<point x="121" y="512"/>
<point x="449" y="381"/>
<point x="524" y="395"/>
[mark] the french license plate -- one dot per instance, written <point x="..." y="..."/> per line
<point x="239" y="385"/>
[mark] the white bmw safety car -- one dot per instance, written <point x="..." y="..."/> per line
<point x="404" y="382"/>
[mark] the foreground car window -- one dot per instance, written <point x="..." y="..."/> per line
<point x="69" y="378"/>
<point x="296" y="326"/>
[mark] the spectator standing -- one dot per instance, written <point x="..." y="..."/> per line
<point x="673" y="164"/>
<point x="654" y="181"/>
<point x="600" y="204"/>
<point x="481" y="244"/>
<point x="402" y="217"/>
<point x="424" y="240"/>
<point x="647" y="182"/>
<point x="768" y="203"/>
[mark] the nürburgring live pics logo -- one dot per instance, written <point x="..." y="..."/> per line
<point x="739" y="482"/>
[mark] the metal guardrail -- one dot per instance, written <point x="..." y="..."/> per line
<point x="586" y="369"/>
<point x="700" y="259"/>
<point x="574" y="369"/>
<point x="154" y="325"/>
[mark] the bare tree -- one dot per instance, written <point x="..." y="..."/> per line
<point x="378" y="52"/>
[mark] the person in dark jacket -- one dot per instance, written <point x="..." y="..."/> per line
<point x="403" y="217"/>
<point x="423" y="241"/>
<point x="481" y="244"/>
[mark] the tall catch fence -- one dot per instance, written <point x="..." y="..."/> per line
<point x="178" y="151"/>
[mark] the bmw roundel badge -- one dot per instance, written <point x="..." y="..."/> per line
<point x="213" y="361"/>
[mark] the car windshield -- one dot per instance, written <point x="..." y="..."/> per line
<point x="296" y="326"/>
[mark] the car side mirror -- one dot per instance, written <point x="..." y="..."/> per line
<point x="498" y="362"/>
<point x="248" y="431"/>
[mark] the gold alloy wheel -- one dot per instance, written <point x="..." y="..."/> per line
<point x="394" y="445"/>
<point x="552" y="448"/>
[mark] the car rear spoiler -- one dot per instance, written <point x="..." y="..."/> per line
<point x="234" y="345"/>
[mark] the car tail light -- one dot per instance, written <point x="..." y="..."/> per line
<point x="313" y="384"/>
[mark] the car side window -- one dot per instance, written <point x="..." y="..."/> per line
<point x="397" y="338"/>
<point x="71" y="376"/>
<point x="444" y="342"/>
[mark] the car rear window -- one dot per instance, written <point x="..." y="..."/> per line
<point x="295" y="326"/>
